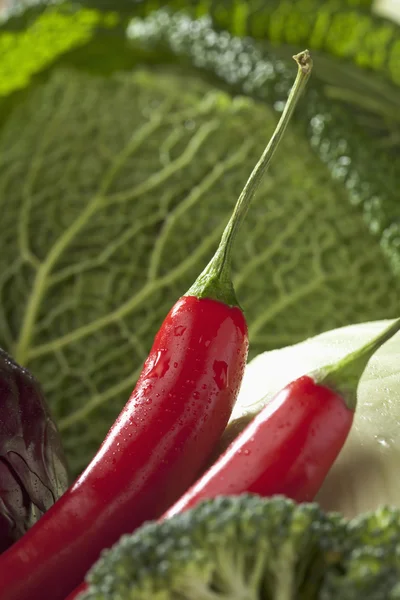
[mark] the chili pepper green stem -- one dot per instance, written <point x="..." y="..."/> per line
<point x="344" y="376"/>
<point x="216" y="281"/>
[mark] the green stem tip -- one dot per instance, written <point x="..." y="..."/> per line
<point x="343" y="377"/>
<point x="216" y="280"/>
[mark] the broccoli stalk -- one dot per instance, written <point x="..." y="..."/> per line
<point x="250" y="548"/>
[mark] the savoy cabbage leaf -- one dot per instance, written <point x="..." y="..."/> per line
<point x="113" y="194"/>
<point x="350" y="118"/>
<point x="51" y="34"/>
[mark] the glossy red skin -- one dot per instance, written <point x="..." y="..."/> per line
<point x="153" y="452"/>
<point x="287" y="449"/>
<point x="74" y="595"/>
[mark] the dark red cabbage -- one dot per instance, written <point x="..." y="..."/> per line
<point x="33" y="470"/>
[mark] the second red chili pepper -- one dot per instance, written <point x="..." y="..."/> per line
<point x="167" y="430"/>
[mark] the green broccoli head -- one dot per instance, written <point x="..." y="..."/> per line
<point x="369" y="568"/>
<point x="249" y="548"/>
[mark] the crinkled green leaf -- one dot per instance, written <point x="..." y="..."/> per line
<point x="343" y="28"/>
<point x="26" y="52"/>
<point x="336" y="27"/>
<point x="350" y="118"/>
<point x="114" y="193"/>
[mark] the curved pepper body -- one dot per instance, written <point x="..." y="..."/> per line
<point x="288" y="448"/>
<point x="74" y="595"/>
<point x="151" y="455"/>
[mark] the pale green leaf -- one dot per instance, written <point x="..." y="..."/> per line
<point x="26" y="52"/>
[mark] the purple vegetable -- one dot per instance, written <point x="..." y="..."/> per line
<point x="33" y="472"/>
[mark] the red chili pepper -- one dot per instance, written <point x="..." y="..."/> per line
<point x="290" y="446"/>
<point x="77" y="591"/>
<point x="165" y="433"/>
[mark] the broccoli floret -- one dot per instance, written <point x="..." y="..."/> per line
<point x="370" y="564"/>
<point x="249" y="548"/>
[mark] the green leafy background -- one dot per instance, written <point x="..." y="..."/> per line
<point x="121" y="158"/>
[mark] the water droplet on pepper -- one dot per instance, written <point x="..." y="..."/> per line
<point x="160" y="365"/>
<point x="221" y="374"/>
<point x="179" y="330"/>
